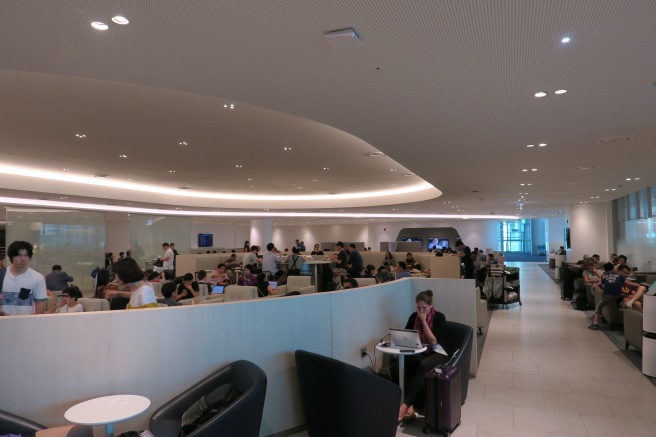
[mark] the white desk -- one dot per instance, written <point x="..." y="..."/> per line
<point x="401" y="355"/>
<point x="107" y="411"/>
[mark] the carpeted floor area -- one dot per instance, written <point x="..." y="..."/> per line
<point x="616" y="336"/>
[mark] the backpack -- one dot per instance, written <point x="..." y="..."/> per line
<point x="293" y="270"/>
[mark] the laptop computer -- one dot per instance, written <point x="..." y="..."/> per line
<point x="273" y="284"/>
<point x="218" y="289"/>
<point x="405" y="339"/>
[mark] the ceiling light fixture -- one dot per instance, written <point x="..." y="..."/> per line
<point x="99" y="25"/>
<point x="565" y="40"/>
<point x="524" y="169"/>
<point x="81" y="135"/>
<point x="286" y="149"/>
<point x="183" y="143"/>
<point x="560" y="92"/>
<point x="530" y="145"/>
<point x="238" y="166"/>
<point x="534" y="169"/>
<point x="120" y="19"/>
<point x="542" y="144"/>
<point x="376" y="154"/>
<point x="540" y="94"/>
<point x="122" y="156"/>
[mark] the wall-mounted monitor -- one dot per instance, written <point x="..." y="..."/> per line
<point x="439" y="243"/>
<point x="205" y="240"/>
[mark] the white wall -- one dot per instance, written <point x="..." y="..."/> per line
<point x="137" y="352"/>
<point x="225" y="235"/>
<point x="590" y="229"/>
<point x="284" y="236"/>
<point x="556" y="229"/>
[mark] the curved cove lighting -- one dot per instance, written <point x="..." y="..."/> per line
<point x="241" y="214"/>
<point x="108" y="182"/>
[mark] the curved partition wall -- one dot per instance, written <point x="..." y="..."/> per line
<point x="50" y="363"/>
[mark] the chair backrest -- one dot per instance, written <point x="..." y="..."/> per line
<point x="294" y="283"/>
<point x="241" y="418"/>
<point x="12" y="424"/>
<point x="366" y="281"/>
<point x="459" y="336"/>
<point x="339" y="399"/>
<point x="239" y="292"/>
<point x="203" y="290"/>
<point x="92" y="304"/>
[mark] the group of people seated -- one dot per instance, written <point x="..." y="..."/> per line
<point x="614" y="282"/>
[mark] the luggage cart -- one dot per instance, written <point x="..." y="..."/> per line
<point x="502" y="286"/>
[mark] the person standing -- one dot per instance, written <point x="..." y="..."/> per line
<point x="355" y="263"/>
<point x="57" y="280"/>
<point x="167" y="268"/>
<point x="23" y="289"/>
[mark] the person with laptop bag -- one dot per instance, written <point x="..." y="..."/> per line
<point x="430" y="325"/>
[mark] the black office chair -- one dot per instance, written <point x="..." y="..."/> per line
<point x="342" y="400"/>
<point x="12" y="424"/>
<point x="241" y="418"/>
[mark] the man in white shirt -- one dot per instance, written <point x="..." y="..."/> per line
<point x="167" y="268"/>
<point x="250" y="257"/>
<point x="23" y="289"/>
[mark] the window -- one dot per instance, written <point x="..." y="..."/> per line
<point x="515" y="236"/>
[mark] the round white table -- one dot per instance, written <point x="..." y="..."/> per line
<point x="107" y="411"/>
<point x="394" y="350"/>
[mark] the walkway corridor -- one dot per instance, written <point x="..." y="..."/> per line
<point x="543" y="373"/>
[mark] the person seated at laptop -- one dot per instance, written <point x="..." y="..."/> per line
<point x="188" y="288"/>
<point x="232" y="262"/>
<point x="263" y="287"/>
<point x="430" y="324"/>
<point x="219" y="276"/>
<point x="248" y="278"/>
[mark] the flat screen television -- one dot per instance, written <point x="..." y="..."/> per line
<point x="205" y="240"/>
<point x="435" y="242"/>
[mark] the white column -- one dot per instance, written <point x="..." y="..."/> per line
<point x="261" y="232"/>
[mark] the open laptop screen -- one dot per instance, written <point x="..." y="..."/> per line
<point x="218" y="289"/>
<point x="273" y="284"/>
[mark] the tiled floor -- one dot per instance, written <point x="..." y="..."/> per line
<point x="543" y="373"/>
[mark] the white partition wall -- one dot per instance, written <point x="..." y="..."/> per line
<point x="56" y="361"/>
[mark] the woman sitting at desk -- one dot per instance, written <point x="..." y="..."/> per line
<point x="263" y="287"/>
<point x="430" y="325"/>
<point x="248" y="278"/>
<point x="388" y="261"/>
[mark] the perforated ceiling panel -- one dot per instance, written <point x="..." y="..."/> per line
<point x="445" y="88"/>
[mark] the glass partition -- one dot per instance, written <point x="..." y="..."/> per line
<point x="147" y="233"/>
<point x="73" y="239"/>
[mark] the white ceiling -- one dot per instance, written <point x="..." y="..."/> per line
<point x="444" y="88"/>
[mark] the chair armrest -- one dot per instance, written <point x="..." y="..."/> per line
<point x="307" y="290"/>
<point x="281" y="289"/>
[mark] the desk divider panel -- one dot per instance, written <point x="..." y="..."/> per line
<point x="160" y="352"/>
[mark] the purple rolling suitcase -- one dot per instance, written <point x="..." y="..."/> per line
<point x="442" y="399"/>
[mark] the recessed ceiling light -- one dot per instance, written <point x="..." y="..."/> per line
<point x="119" y="19"/>
<point x="238" y="166"/>
<point x="560" y="92"/>
<point x="326" y="168"/>
<point x="636" y="179"/>
<point x="607" y="189"/>
<point x="522" y="184"/>
<point x="66" y="169"/>
<point x="122" y="156"/>
<point x="99" y="25"/>
<point x="534" y="169"/>
<point x="524" y="169"/>
<point x="315" y="180"/>
<point x="81" y="135"/>
<point x="529" y="184"/>
<point x="628" y="179"/>
<point x="250" y="179"/>
<point x="530" y="145"/>
<point x="183" y="143"/>
<point x="540" y="94"/>
<point x="376" y="154"/>
<point x="286" y="149"/>
<point x="565" y="40"/>
<point x="408" y="174"/>
<point x="542" y="144"/>
<point x="171" y="171"/>
<point x="612" y="189"/>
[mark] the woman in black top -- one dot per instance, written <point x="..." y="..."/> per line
<point x="263" y="287"/>
<point x="430" y="325"/>
<point x="317" y="250"/>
